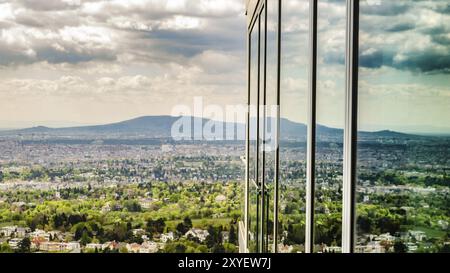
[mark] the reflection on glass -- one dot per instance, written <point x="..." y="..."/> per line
<point x="330" y="124"/>
<point x="271" y="113"/>
<point x="252" y="217"/>
<point x="403" y="148"/>
<point x="261" y="129"/>
<point x="293" y="114"/>
<point x="253" y="99"/>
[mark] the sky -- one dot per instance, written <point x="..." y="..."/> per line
<point x="404" y="73"/>
<point x="72" y="62"/>
<point x="69" y="62"/>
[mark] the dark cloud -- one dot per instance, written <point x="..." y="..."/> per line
<point x="9" y="57"/>
<point x="192" y="42"/>
<point x="385" y="8"/>
<point x="442" y="39"/>
<point x="435" y="30"/>
<point x="428" y="62"/>
<point x="406" y="35"/>
<point x="49" y="5"/>
<point x="401" y="27"/>
<point x="446" y="10"/>
<point x="442" y="7"/>
<point x="375" y="59"/>
<point x="73" y="56"/>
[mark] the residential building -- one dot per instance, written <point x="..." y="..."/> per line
<point x="200" y="234"/>
<point x="165" y="237"/>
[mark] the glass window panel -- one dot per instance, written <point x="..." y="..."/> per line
<point x="403" y="147"/>
<point x="254" y="44"/>
<point x="254" y="218"/>
<point x="253" y="150"/>
<point x="293" y="116"/>
<point x="330" y="123"/>
<point x="270" y="137"/>
<point x="261" y="122"/>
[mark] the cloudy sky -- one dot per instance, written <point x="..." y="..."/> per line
<point x="404" y="64"/>
<point x="405" y="60"/>
<point x="67" y="62"/>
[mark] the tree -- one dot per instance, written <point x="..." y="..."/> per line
<point x="444" y="248"/>
<point x="59" y="220"/>
<point x="364" y="224"/>
<point x="157" y="226"/>
<point x="179" y="248"/>
<point x="218" y="249"/>
<point x="5" y="248"/>
<point x="76" y="218"/>
<point x="80" y="229"/>
<point x="187" y="222"/>
<point x="214" y="237"/>
<point x="295" y="235"/>
<point x="24" y="246"/>
<point x="400" y="247"/>
<point x="232" y="239"/>
<point x="38" y="221"/>
<point x="230" y="248"/>
<point x="181" y="228"/>
<point x="119" y="233"/>
<point x="123" y="250"/>
<point x="133" y="206"/>
<point x="85" y="239"/>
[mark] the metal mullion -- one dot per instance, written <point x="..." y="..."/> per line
<point x="258" y="23"/>
<point x="351" y="130"/>
<point x="311" y="138"/>
<point x="254" y="11"/>
<point x="254" y="183"/>
<point x="247" y="143"/>
<point x="263" y="153"/>
<point x="277" y="153"/>
<point x="247" y="185"/>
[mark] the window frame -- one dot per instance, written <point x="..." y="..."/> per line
<point x="253" y="10"/>
<point x="351" y="128"/>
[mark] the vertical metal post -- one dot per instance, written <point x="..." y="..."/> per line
<point x="258" y="204"/>
<point x="262" y="123"/>
<point x="247" y="143"/>
<point x="351" y="130"/>
<point x="311" y="138"/>
<point x="277" y="154"/>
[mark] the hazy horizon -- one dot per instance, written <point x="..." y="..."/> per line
<point x="373" y="128"/>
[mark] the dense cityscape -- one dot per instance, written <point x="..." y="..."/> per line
<point x="123" y="198"/>
<point x="90" y="196"/>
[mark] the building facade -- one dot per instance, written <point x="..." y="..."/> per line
<point x="313" y="153"/>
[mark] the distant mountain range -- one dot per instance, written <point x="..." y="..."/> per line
<point x="161" y="127"/>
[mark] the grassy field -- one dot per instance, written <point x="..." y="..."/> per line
<point x="5" y="224"/>
<point x="430" y="232"/>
